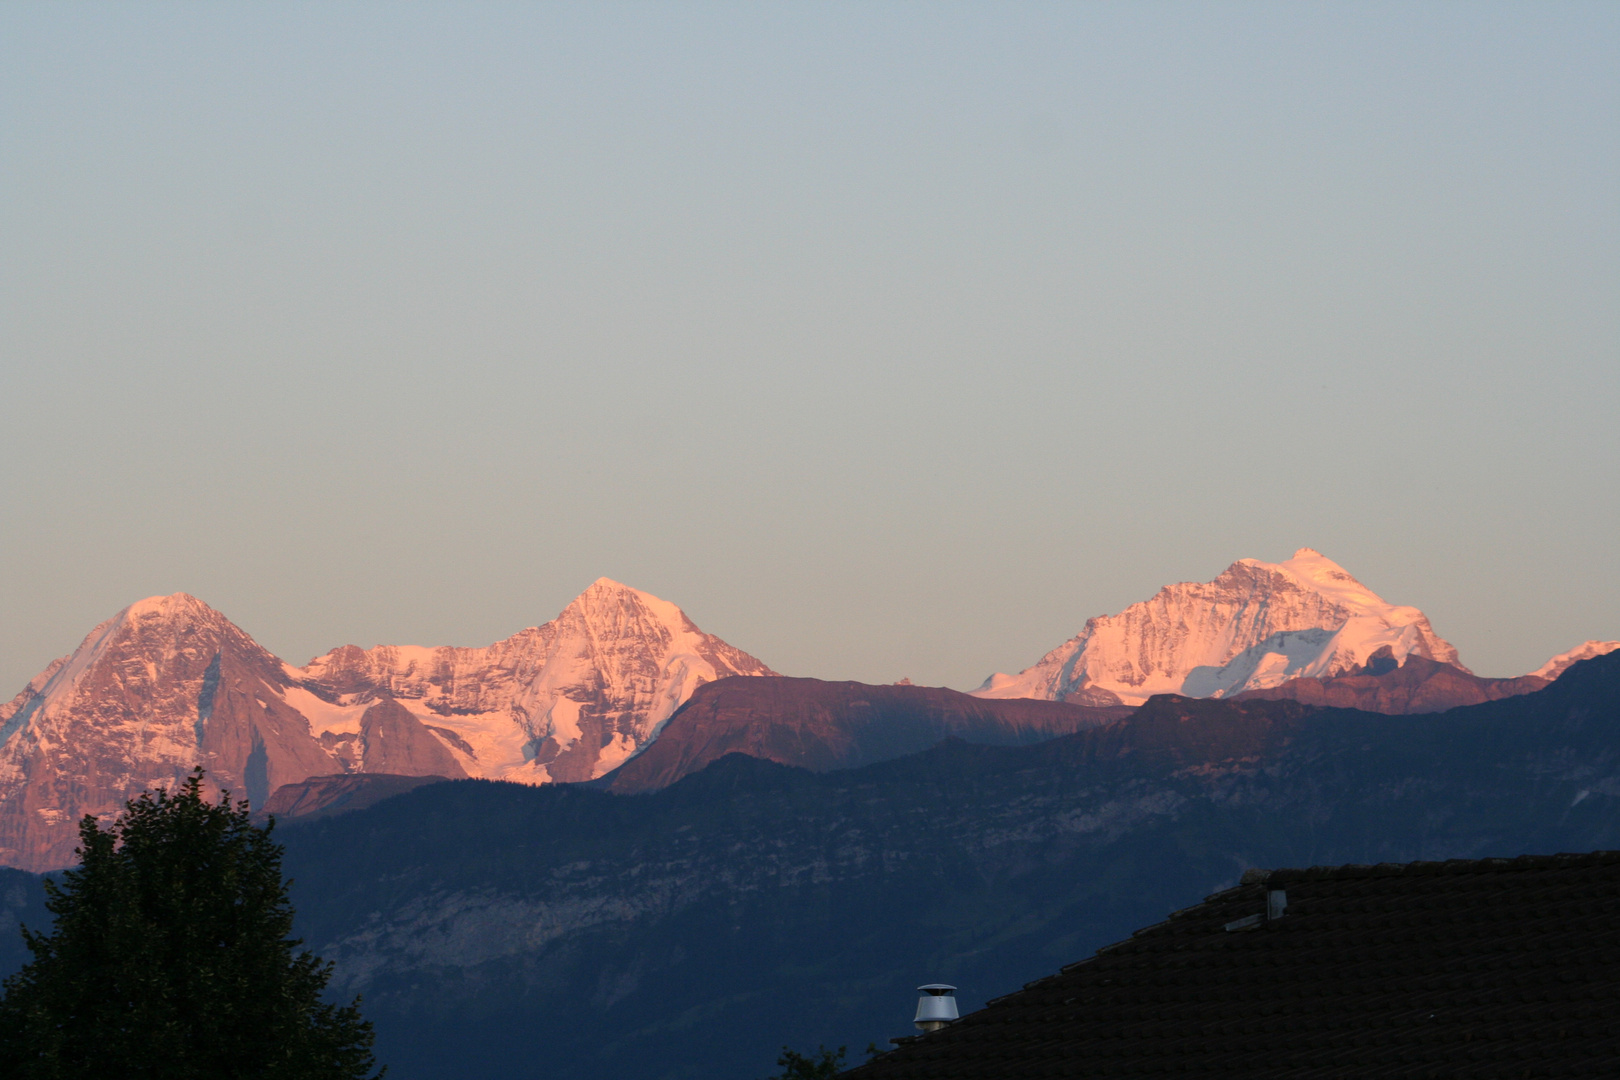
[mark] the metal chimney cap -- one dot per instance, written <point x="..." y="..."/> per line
<point x="936" y="1008"/>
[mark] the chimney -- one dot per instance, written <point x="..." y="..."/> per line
<point x="937" y="1006"/>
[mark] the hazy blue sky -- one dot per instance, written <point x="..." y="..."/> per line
<point x="888" y="340"/>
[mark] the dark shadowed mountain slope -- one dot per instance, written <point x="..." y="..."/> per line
<point x="821" y="725"/>
<point x="1419" y="685"/>
<point x="570" y="933"/>
<point x="326" y="795"/>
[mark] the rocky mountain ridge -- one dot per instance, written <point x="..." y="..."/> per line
<point x="1385" y="686"/>
<point x="819" y="725"/>
<point x="1586" y="650"/>
<point x="321" y="796"/>
<point x="169" y="683"/>
<point x="165" y="684"/>
<point x="566" y="701"/>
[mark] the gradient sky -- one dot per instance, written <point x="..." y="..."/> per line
<point x="888" y="340"/>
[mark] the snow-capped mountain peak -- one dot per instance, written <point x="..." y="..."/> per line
<point x="165" y="684"/>
<point x="168" y="683"/>
<point x="156" y="630"/>
<point x="174" y="605"/>
<point x="1312" y="570"/>
<point x="609" y="610"/>
<point x="178" y="615"/>
<point x="568" y="700"/>
<point x="1561" y="663"/>
<point x="1254" y="626"/>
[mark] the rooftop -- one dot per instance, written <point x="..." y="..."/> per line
<point x="1492" y="967"/>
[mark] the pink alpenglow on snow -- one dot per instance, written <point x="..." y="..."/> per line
<point x="1255" y="626"/>
<point x="169" y="683"/>
<point x="1563" y="661"/>
<point x="569" y="700"/>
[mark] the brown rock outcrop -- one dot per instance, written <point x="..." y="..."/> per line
<point x="1419" y="685"/>
<point x="394" y="741"/>
<point x="837" y="725"/>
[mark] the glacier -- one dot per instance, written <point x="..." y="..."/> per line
<point x="1255" y="626"/>
<point x="169" y="683"/>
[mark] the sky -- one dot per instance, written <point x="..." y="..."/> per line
<point x="888" y="340"/>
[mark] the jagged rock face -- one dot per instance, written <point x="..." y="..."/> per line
<point x="170" y="683"/>
<point x="566" y="701"/>
<point x="165" y="685"/>
<point x="394" y="742"/>
<point x="1257" y="625"/>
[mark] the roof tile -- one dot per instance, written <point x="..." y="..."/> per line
<point x="1462" y="968"/>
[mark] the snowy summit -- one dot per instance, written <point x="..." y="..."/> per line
<point x="1255" y="626"/>
<point x="169" y="682"/>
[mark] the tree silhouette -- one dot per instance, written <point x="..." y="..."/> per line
<point x="171" y="959"/>
<point x="824" y="1064"/>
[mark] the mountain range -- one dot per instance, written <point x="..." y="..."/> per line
<point x="568" y="932"/>
<point x="169" y="683"/>
<point x="744" y="859"/>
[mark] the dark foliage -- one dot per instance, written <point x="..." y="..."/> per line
<point x="22" y="903"/>
<point x="824" y="1064"/>
<point x="171" y="959"/>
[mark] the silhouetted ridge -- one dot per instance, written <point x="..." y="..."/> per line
<point x="823" y="725"/>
